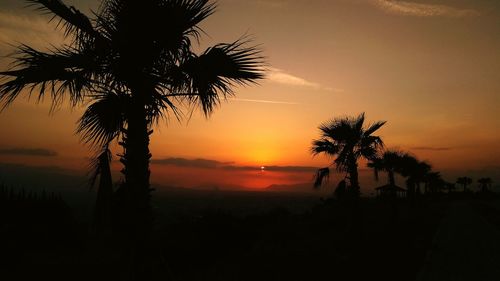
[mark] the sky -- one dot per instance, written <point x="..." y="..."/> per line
<point x="431" y="69"/>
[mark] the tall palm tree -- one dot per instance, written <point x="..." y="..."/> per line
<point x="134" y="62"/>
<point x="484" y="184"/>
<point x="464" y="181"/>
<point x="347" y="140"/>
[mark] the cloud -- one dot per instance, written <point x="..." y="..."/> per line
<point x="408" y="8"/>
<point x="214" y="164"/>
<point x="32" y="30"/>
<point x="194" y="163"/>
<point x="281" y="77"/>
<point x="28" y="152"/>
<point x="431" y="148"/>
<point x="265" y="101"/>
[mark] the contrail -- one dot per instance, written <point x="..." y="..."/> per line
<point x="266" y="101"/>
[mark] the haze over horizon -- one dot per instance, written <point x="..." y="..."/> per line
<point x="429" y="68"/>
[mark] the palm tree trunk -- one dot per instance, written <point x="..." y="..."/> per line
<point x="354" y="179"/>
<point x="136" y="218"/>
<point x="393" y="194"/>
<point x="136" y="161"/>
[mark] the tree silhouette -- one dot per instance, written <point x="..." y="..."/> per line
<point x="464" y="181"/>
<point x="450" y="186"/>
<point x="414" y="171"/>
<point x="134" y="73"/>
<point x="100" y="167"/>
<point x="434" y="182"/>
<point x="390" y="162"/>
<point x="134" y="63"/>
<point x="484" y="184"/>
<point x="347" y="140"/>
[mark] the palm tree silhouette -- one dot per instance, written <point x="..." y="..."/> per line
<point x="348" y="140"/>
<point x="134" y="72"/>
<point x="100" y="167"/>
<point x="390" y="162"/>
<point x="464" y="181"/>
<point x="414" y="171"/>
<point x="434" y="182"/>
<point x="484" y="184"/>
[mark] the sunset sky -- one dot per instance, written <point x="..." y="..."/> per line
<point x="430" y="68"/>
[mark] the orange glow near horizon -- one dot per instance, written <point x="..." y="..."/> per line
<point x="433" y="78"/>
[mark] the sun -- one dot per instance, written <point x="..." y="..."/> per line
<point x="262" y="168"/>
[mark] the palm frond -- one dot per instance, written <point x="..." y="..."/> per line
<point x="321" y="176"/>
<point x="160" y="106"/>
<point x="72" y="20"/>
<point x="103" y="119"/>
<point x="98" y="164"/>
<point x="374" y="127"/>
<point x="59" y="72"/>
<point x="324" y="146"/>
<point x="219" y="68"/>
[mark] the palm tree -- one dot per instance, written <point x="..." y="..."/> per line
<point x="347" y="140"/>
<point x="450" y="186"/>
<point x="414" y="171"/>
<point x="390" y="161"/>
<point x="134" y="73"/>
<point x="484" y="184"/>
<point x="434" y="182"/>
<point x="464" y="181"/>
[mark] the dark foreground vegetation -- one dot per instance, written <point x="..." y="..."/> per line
<point x="41" y="239"/>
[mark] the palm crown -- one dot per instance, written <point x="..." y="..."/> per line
<point x="347" y="140"/>
<point x="391" y="161"/>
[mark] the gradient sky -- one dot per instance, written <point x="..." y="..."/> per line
<point x="430" y="68"/>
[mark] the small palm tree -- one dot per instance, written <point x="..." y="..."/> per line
<point x="464" y="181"/>
<point x="390" y="162"/>
<point x="414" y="171"/>
<point x="347" y="140"/>
<point x="484" y="184"/>
<point x="434" y="182"/>
<point x="450" y="186"/>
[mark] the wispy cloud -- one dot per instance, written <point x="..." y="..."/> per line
<point x="282" y="77"/>
<point x="28" y="152"/>
<point x="431" y="148"/>
<point x="214" y="164"/>
<point x="33" y="30"/>
<point x="409" y="8"/>
<point x="265" y="101"/>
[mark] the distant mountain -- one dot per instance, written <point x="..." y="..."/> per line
<point x="51" y="178"/>
<point x="299" y="188"/>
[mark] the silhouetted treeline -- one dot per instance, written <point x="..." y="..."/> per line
<point x="34" y="219"/>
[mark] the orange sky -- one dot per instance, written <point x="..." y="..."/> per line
<point x="430" y="68"/>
